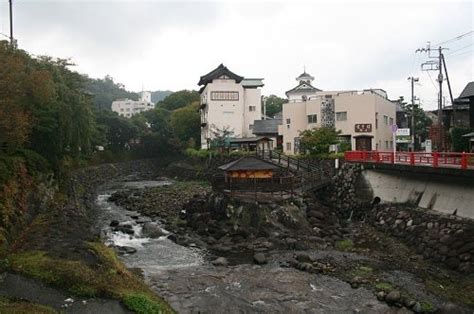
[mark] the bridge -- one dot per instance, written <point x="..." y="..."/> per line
<point x="440" y="181"/>
<point x="450" y="160"/>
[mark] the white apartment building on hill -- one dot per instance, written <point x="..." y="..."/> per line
<point x="363" y="117"/>
<point x="228" y="102"/>
<point x="127" y="107"/>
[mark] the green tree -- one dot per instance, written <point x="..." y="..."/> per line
<point x="274" y="105"/>
<point x="317" y="141"/>
<point x="43" y="106"/>
<point x="422" y="121"/>
<point x="186" y="124"/>
<point x="460" y="143"/>
<point x="179" y="99"/>
<point x="106" y="90"/>
<point x="118" y="130"/>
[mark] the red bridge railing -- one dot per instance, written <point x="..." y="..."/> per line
<point x="436" y="159"/>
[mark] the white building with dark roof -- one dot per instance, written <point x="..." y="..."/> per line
<point x="228" y="102"/>
<point x="364" y="117"/>
<point x="304" y="90"/>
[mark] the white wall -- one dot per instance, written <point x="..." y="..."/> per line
<point x="127" y="108"/>
<point x="220" y="114"/>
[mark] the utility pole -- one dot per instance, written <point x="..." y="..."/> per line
<point x="413" y="137"/>
<point x="440" y="104"/>
<point x="449" y="88"/>
<point x="11" y="22"/>
<point x="436" y="66"/>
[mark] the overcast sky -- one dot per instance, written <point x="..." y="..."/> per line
<point x="168" y="45"/>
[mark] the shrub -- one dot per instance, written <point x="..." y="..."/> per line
<point x="141" y="304"/>
<point x="344" y="245"/>
<point x="460" y="143"/>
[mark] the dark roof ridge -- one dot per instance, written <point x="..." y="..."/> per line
<point x="219" y="71"/>
<point x="303" y="83"/>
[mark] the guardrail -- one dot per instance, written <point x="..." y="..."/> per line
<point x="435" y="159"/>
<point x="286" y="161"/>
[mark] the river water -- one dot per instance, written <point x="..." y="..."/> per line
<point x="191" y="284"/>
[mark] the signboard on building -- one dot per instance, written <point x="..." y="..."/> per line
<point x="403" y="136"/>
<point x="363" y="128"/>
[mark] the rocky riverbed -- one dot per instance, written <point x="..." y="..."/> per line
<point x="287" y="257"/>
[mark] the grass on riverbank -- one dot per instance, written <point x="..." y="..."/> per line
<point x="22" y="307"/>
<point x="109" y="278"/>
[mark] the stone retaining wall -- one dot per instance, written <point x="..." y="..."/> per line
<point x="343" y="189"/>
<point x="438" y="237"/>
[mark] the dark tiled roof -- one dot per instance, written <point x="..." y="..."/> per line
<point x="311" y="87"/>
<point x="304" y="75"/>
<point x="248" y="163"/>
<point x="468" y="91"/>
<point x="249" y="139"/>
<point x="217" y="72"/>
<point x="266" y="126"/>
<point x="252" y="82"/>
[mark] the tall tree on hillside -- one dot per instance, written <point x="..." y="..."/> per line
<point x="178" y="100"/>
<point x="186" y="124"/>
<point x="106" y="90"/>
<point x="43" y="106"/>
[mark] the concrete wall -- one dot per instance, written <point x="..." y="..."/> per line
<point x="442" y="193"/>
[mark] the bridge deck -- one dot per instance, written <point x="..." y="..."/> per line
<point x="451" y="160"/>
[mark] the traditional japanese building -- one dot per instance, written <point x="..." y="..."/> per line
<point x="230" y="104"/>
<point x="363" y="117"/>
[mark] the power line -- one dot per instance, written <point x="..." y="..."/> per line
<point x="461" y="53"/>
<point x="431" y="79"/>
<point x="453" y="39"/>
<point x="459" y="49"/>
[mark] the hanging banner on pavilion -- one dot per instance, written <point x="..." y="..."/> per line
<point x="402" y="136"/>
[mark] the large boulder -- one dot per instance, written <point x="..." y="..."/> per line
<point x="260" y="259"/>
<point x="393" y="296"/>
<point x="152" y="230"/>
<point x="220" y="261"/>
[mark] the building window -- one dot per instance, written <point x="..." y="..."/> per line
<point x="341" y="116"/>
<point x="128" y="109"/>
<point x="376" y="120"/>
<point x="250" y="126"/>
<point x="391" y="144"/>
<point x="386" y="144"/>
<point x="227" y="113"/>
<point x="312" y="118"/>
<point x="121" y="109"/>
<point x="288" y="146"/>
<point x="252" y="108"/>
<point x="288" y="121"/>
<point x="385" y="120"/>
<point x="225" y="95"/>
<point x="391" y="121"/>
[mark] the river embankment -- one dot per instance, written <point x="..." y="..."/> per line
<point x="285" y="257"/>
